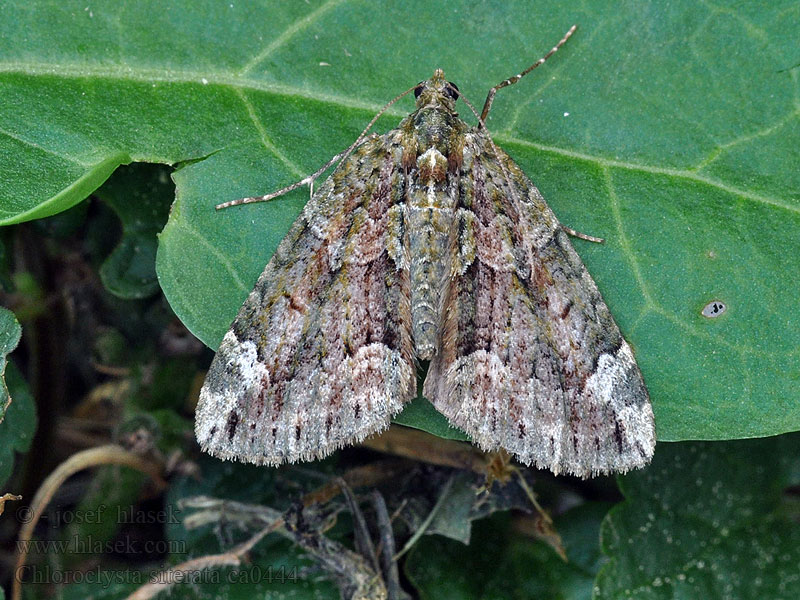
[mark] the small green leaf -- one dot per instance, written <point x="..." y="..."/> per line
<point x="445" y="502"/>
<point x="141" y="196"/>
<point x="421" y="414"/>
<point x="19" y="425"/>
<point x="10" y="332"/>
<point x="706" y="521"/>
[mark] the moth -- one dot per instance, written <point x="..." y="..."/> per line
<point x="428" y="243"/>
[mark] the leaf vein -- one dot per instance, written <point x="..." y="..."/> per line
<point x="141" y="75"/>
<point x="265" y="139"/>
<point x="288" y="33"/>
<point x="220" y="256"/>
<point x="65" y="157"/>
<point x="625" y="243"/>
<point x="721" y="149"/>
<point x="681" y="173"/>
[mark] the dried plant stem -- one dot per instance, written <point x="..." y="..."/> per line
<point x="364" y="476"/>
<point x="212" y="508"/>
<point x="420" y="446"/>
<point x="428" y="520"/>
<point x="102" y="455"/>
<point x="232" y="558"/>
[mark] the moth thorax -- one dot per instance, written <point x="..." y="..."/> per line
<point x="432" y="166"/>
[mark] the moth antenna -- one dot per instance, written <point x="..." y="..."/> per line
<point x="582" y="236"/>
<point x="512" y="80"/>
<point x="472" y="108"/>
<point x="311" y="178"/>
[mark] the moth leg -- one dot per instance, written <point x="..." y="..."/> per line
<point x="271" y="196"/>
<point x="311" y="178"/>
<point x="512" y="80"/>
<point x="582" y="236"/>
<point x="305" y="181"/>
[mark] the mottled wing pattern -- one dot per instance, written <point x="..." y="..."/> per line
<point x="320" y="355"/>
<point x="530" y="359"/>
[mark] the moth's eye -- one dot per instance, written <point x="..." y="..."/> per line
<point x="418" y="89"/>
<point x="451" y="89"/>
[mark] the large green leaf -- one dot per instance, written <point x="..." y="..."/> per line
<point x="706" y="521"/>
<point x="670" y="130"/>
